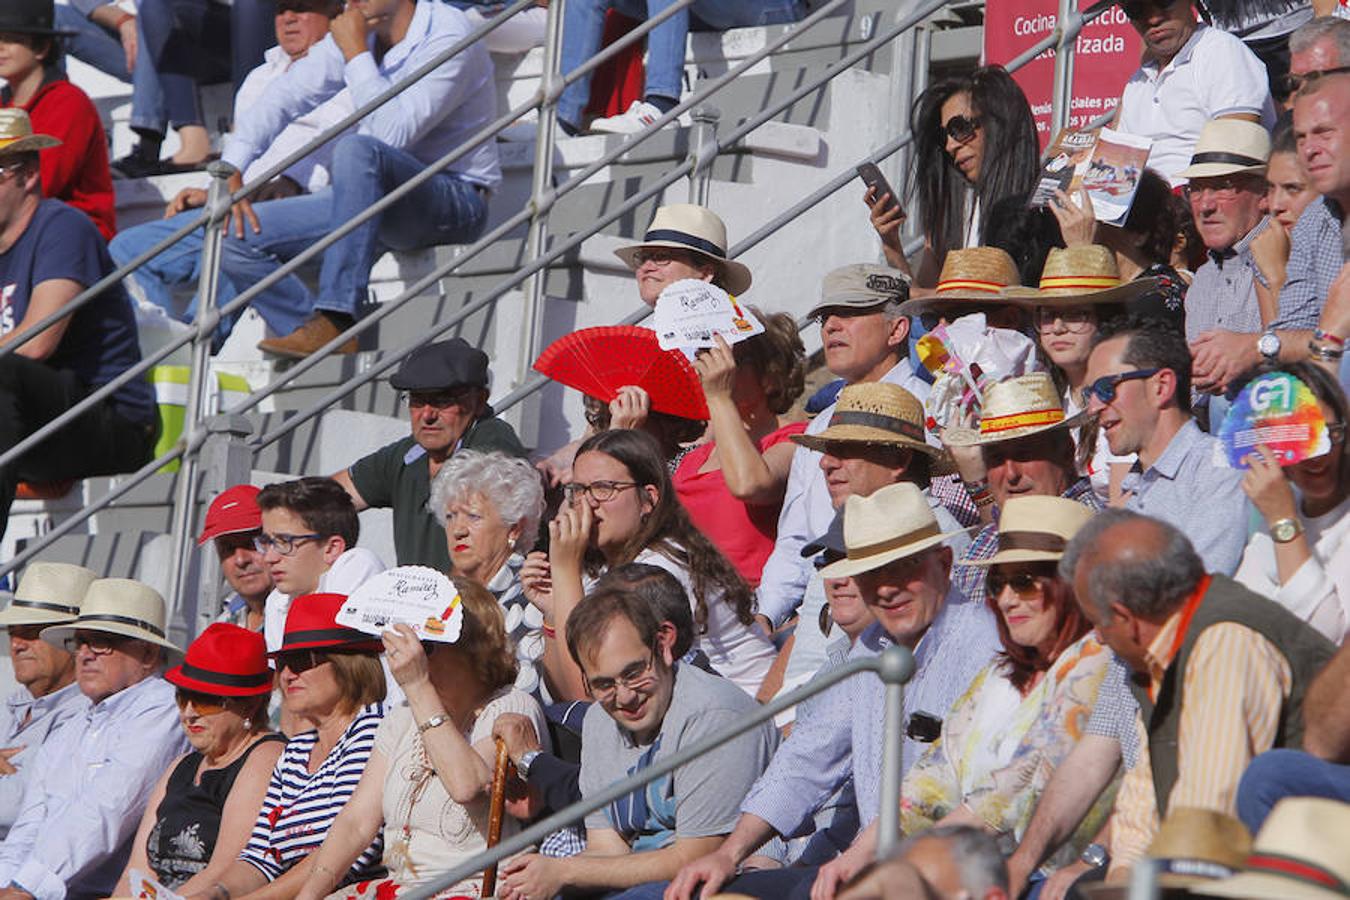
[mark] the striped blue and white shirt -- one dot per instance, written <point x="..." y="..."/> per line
<point x="299" y="806"/>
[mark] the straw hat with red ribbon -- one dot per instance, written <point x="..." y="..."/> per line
<point x="311" y="624"/>
<point x="1078" y="276"/>
<point x="974" y="277"/>
<point x="1016" y="408"/>
<point x="1299" y="854"/>
<point x="225" y="661"/>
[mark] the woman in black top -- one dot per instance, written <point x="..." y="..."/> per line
<point x="202" y="810"/>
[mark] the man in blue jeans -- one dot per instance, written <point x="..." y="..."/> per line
<point x="584" y="25"/>
<point x="372" y="45"/>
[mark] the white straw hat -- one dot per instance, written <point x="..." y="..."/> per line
<point x="891" y="523"/>
<point x="119" y="606"/>
<point x="1300" y="854"/>
<point x="49" y="593"/>
<point x="1229" y="146"/>
<point x="1036" y="529"/>
<point x="685" y="226"/>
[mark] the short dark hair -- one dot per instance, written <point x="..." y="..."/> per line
<point x="1282" y="139"/>
<point x="321" y="503"/>
<point x="662" y="591"/>
<point x="777" y="356"/>
<point x="1154" y="216"/>
<point x="592" y="617"/>
<point x="1151" y="343"/>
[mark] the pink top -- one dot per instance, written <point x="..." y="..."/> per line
<point x="745" y="533"/>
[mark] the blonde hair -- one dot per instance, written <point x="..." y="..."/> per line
<point x="360" y="678"/>
<point x="483" y="640"/>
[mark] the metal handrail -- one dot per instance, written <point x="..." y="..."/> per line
<point x="894" y="666"/>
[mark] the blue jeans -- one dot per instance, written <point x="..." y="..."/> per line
<point x="188" y="44"/>
<point x="584" y="26"/>
<point x="445" y="210"/>
<point x="252" y="32"/>
<point x="652" y="890"/>
<point x="102" y="49"/>
<point x="1277" y="774"/>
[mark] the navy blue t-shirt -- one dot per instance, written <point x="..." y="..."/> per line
<point x="100" y="343"/>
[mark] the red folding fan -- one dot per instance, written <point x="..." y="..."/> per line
<point x="599" y="361"/>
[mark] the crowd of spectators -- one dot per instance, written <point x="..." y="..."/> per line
<point x="1125" y="646"/>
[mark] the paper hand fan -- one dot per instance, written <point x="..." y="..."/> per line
<point x="598" y="361"/>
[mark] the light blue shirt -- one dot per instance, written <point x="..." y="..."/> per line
<point x="44" y="715"/>
<point x="841" y="732"/>
<point x="88" y="791"/>
<point x="428" y="120"/>
<point x="1191" y="487"/>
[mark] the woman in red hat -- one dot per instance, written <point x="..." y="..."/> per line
<point x="202" y="810"/>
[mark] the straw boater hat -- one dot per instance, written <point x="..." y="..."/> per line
<point x="1227" y="147"/>
<point x="226" y="661"/>
<point x="311" y="624"/>
<point x="1300" y="854"/>
<point x="1078" y="276"/>
<point x="685" y="226"/>
<point x="16" y="133"/>
<point x="873" y="413"/>
<point x="119" y="606"/>
<point x="1015" y="408"/>
<point x="49" y="594"/>
<point x="974" y="277"/>
<point x="891" y="523"/>
<point x="1193" y="847"/>
<point x="1036" y="529"/>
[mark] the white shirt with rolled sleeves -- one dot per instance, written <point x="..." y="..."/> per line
<point x="27" y="722"/>
<point x="427" y="120"/>
<point x="1213" y="75"/>
<point x="88" y="791"/>
<point x="807" y="513"/>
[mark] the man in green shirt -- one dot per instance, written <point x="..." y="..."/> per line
<point x="446" y="388"/>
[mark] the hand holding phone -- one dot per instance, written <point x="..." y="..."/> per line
<point x="879" y="187"/>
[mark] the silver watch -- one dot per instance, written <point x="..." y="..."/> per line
<point x="1095" y="855"/>
<point x="1268" y="345"/>
<point x="526" y="760"/>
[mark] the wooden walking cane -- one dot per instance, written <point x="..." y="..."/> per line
<point x="496" y="807"/>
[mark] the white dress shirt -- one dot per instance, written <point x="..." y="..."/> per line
<point x="26" y="721"/>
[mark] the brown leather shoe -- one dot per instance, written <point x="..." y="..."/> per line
<point x="308" y="338"/>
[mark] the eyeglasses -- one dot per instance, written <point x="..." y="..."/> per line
<point x="301" y="661"/>
<point x="1077" y="320"/>
<point x="1022" y="583"/>
<point x="460" y="396"/>
<point x="599" y="491"/>
<point x="285" y="544"/>
<point x="634" y="677"/>
<point x="1293" y="84"/>
<point x="661" y="256"/>
<point x="1225" y="188"/>
<point x="202" y="704"/>
<point x="1141" y="9"/>
<point x="1104" y="388"/>
<point x="100" y="642"/>
<point x="11" y="168"/>
<point x="959" y="128"/>
<point x="1335" y="433"/>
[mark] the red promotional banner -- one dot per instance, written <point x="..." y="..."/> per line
<point x="1106" y="54"/>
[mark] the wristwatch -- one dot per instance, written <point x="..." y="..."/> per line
<point x="1282" y="531"/>
<point x="1268" y="344"/>
<point x="1095" y="855"/>
<point x="526" y="760"/>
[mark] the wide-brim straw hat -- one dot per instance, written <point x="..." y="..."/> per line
<point x="49" y="593"/>
<point x="1014" y="408"/>
<point x="874" y="413"/>
<point x="1300" y="854"/>
<point x="974" y="277"/>
<point x="1228" y="147"/>
<point x="311" y="624"/>
<point x="225" y="660"/>
<point x="119" y="606"/>
<point x="16" y="133"/>
<point x="686" y="226"/>
<point x="1193" y="847"/>
<point x="1036" y="529"/>
<point x="1080" y="276"/>
<point x="891" y="523"/>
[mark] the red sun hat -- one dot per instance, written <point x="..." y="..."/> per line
<point x="312" y="624"/>
<point x="225" y="661"/>
<point x="234" y="510"/>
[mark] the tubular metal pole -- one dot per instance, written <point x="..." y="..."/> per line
<point x="185" y="488"/>
<point x="1067" y="26"/>
<point x="703" y="151"/>
<point x="896" y="668"/>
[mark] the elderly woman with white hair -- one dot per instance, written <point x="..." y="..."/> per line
<point x="490" y="505"/>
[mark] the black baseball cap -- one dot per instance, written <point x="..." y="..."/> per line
<point x="444" y="364"/>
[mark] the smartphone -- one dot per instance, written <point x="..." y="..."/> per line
<point x="872" y="177"/>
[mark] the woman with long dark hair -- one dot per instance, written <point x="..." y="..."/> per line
<point x="974" y="146"/>
<point x="621" y="508"/>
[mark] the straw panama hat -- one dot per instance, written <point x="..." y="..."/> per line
<point x="16" y="133"/>
<point x="1193" y="847"/>
<point x="1036" y="529"/>
<point x="1015" y="408"/>
<point x="874" y="412"/>
<point x="119" y="606"/>
<point x="1229" y="146"/>
<point x="685" y="226"/>
<point x="974" y="276"/>
<point x="891" y="523"/>
<point x="224" y="660"/>
<point x="1076" y="276"/>
<point x="1300" y="854"/>
<point x="49" y="593"/>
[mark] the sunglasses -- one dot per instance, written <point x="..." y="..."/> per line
<point x="1104" y="388"/>
<point x="202" y="704"/>
<point x="1022" y="583"/>
<point x="959" y="128"/>
<point x="301" y="661"/>
<point x="1141" y="9"/>
<point x="1293" y="84"/>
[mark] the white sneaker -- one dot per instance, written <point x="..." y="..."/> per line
<point x="638" y="116"/>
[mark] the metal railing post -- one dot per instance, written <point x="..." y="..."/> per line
<point x="225" y="461"/>
<point x="185" y="487"/>
<point x="703" y="152"/>
<point x="1068" y="24"/>
<point x="894" y="670"/>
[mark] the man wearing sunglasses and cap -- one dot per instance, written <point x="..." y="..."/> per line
<point x="1191" y="73"/>
<point x="48" y="594"/>
<point x="91" y="785"/>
